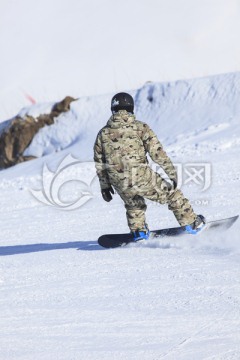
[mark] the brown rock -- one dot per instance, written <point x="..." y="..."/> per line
<point x="19" y="132"/>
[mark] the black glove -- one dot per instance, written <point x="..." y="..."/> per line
<point x="174" y="184"/>
<point x="106" y="193"/>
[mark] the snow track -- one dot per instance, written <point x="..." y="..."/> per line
<point x="64" y="297"/>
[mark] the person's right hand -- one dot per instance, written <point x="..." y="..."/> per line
<point x="174" y="182"/>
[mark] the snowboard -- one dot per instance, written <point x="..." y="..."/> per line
<point x="117" y="240"/>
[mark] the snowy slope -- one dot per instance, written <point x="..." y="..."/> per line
<point x="203" y="112"/>
<point x="64" y="297"/>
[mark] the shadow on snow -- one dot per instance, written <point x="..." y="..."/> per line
<point x="25" y="249"/>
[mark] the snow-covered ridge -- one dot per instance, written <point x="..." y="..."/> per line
<point x="190" y="117"/>
<point x="175" y="110"/>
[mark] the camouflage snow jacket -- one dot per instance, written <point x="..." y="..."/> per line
<point x="120" y="154"/>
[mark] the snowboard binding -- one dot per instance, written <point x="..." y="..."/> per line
<point x="141" y="235"/>
<point x="196" y="226"/>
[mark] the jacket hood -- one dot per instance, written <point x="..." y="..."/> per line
<point x="122" y="117"/>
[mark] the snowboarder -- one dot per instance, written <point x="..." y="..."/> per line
<point x="120" y="155"/>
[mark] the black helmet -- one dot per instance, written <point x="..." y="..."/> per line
<point x="122" y="101"/>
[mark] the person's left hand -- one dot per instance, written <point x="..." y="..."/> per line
<point x="106" y="193"/>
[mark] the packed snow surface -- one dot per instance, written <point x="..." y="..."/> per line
<point x="64" y="297"/>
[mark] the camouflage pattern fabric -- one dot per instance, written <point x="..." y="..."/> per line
<point x="120" y="155"/>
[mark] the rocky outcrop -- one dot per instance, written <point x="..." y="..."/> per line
<point x="19" y="132"/>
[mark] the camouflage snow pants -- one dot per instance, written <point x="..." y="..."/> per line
<point x="159" y="192"/>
